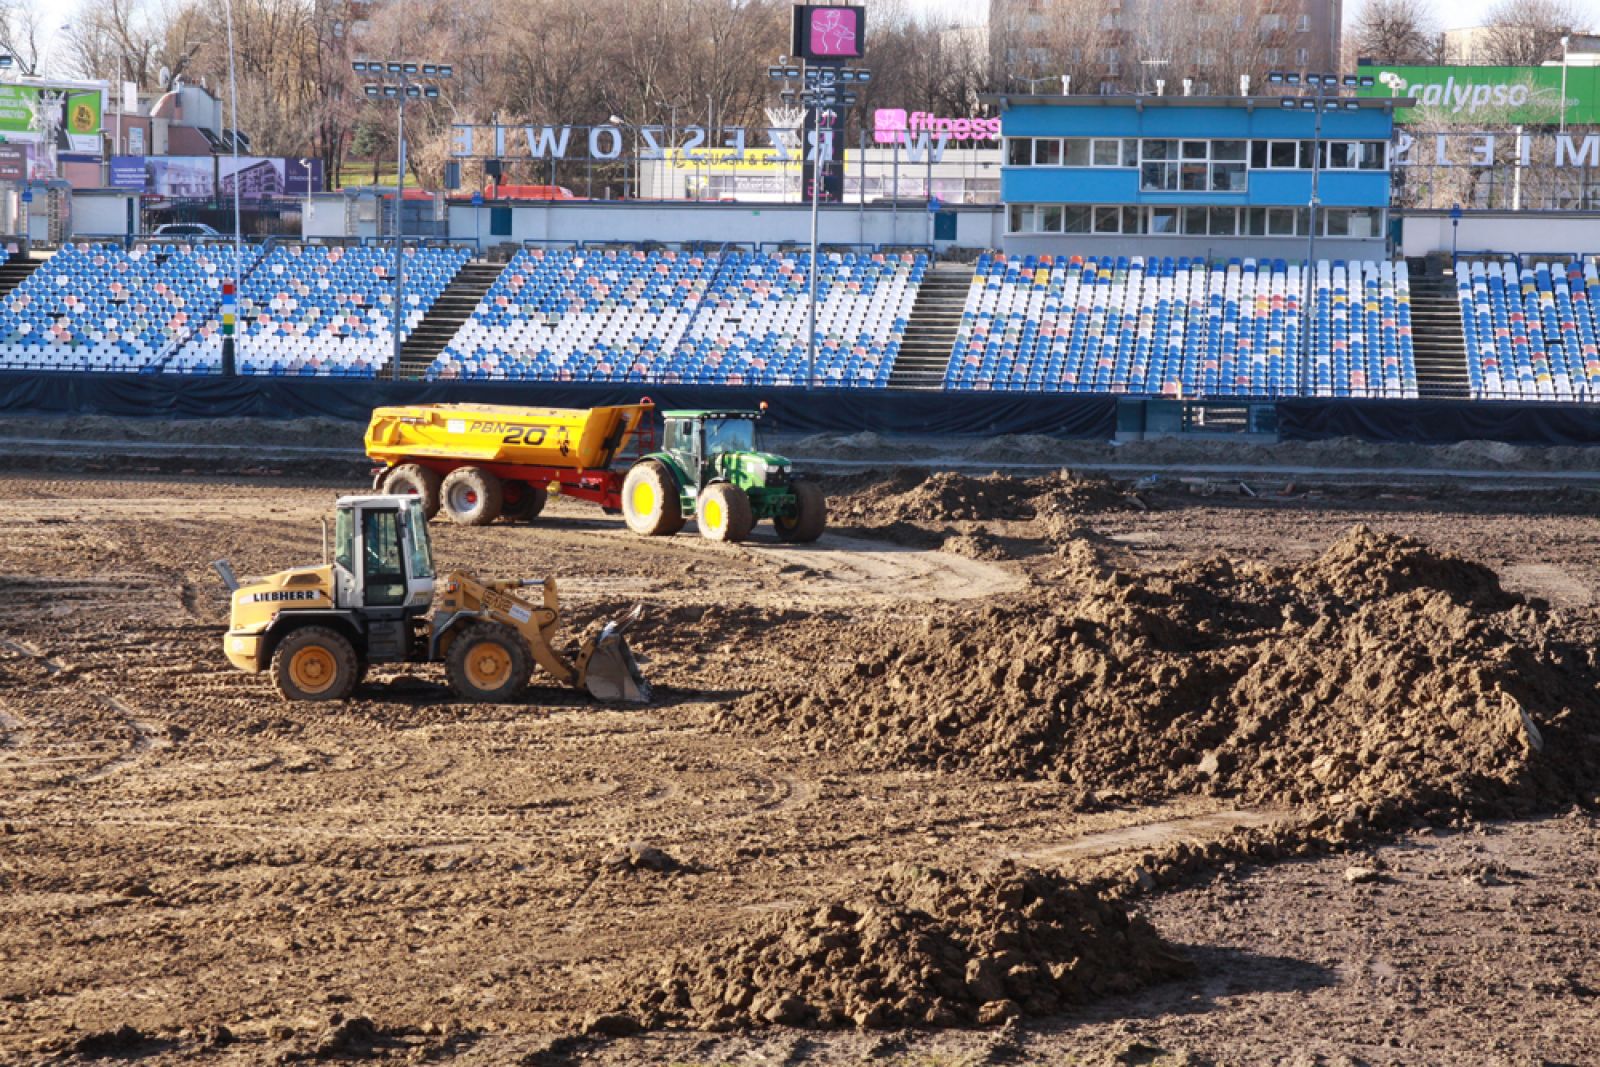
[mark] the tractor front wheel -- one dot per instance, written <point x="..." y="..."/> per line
<point x="527" y="504"/>
<point x="315" y="663"/>
<point x="810" y="515"/>
<point x="471" y="497"/>
<point x="488" y="662"/>
<point x="650" y="500"/>
<point x="724" y="513"/>
<point x="412" y="479"/>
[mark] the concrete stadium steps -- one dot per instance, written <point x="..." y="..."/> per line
<point x="15" y="271"/>
<point x="454" y="307"/>
<point x="1437" y="339"/>
<point x="931" y="331"/>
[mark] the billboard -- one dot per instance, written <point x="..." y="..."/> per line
<point x="1492" y="95"/>
<point x="72" y="109"/>
<point x="207" y="177"/>
<point x="826" y="34"/>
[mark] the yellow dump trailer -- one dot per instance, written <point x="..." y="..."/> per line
<point x="477" y="462"/>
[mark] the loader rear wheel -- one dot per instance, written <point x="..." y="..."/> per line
<point x="471" y="497"/>
<point x="489" y="662"/>
<point x="412" y="479"/>
<point x="315" y="663"/>
<point x="724" y="513"/>
<point x="810" y="515"/>
<point x="530" y="501"/>
<point x="650" y="500"/>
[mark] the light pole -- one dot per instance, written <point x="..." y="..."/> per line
<point x="823" y="94"/>
<point x="230" y="329"/>
<point x="401" y="80"/>
<point x="1565" y="41"/>
<point x="1326" y="98"/>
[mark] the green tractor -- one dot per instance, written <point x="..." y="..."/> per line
<point x="710" y="466"/>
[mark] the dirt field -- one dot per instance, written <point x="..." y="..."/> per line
<point x="861" y="822"/>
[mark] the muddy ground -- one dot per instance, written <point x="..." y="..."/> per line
<point x="190" y="869"/>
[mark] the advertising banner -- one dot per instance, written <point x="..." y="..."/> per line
<point x="128" y="172"/>
<point x="1485" y="96"/>
<point x="29" y="112"/>
<point x="13" y="163"/>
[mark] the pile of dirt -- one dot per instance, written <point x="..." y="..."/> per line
<point x="907" y="495"/>
<point x="921" y="948"/>
<point x="1382" y="678"/>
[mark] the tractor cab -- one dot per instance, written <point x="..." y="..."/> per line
<point x="712" y="446"/>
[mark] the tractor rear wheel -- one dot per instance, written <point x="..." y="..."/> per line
<point x="471" y="497"/>
<point x="810" y="515"/>
<point x="650" y="500"/>
<point x="413" y="479"/>
<point x="528" y="503"/>
<point x="488" y="662"/>
<point x="315" y="663"/>
<point x="724" y="513"/>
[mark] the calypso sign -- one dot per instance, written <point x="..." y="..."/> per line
<point x="1529" y="95"/>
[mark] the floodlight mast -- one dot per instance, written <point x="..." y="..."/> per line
<point x="820" y="93"/>
<point x="1326" y="98"/>
<point x="402" y="80"/>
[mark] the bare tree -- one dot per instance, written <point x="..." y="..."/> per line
<point x="20" y="30"/>
<point x="1397" y="31"/>
<point x="1525" y="33"/>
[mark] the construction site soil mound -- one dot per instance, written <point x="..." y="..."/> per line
<point x="917" y="496"/>
<point x="920" y="948"/>
<point x="1383" y="680"/>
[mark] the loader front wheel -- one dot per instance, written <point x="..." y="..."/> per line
<point x="724" y="513"/>
<point x="315" y="663"/>
<point x="810" y="515"/>
<point x="489" y="662"/>
<point x="650" y="500"/>
<point x="413" y="479"/>
<point x="472" y="497"/>
<point x="529" y="502"/>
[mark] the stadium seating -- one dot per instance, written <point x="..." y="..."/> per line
<point x="1171" y="327"/>
<point x="737" y="318"/>
<point x="314" y="310"/>
<point x="99" y="307"/>
<point x="577" y="315"/>
<point x="1361" y="331"/>
<point x="1531" y="332"/>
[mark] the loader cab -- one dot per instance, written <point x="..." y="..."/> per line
<point x="383" y="560"/>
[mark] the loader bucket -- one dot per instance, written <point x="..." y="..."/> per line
<point x="611" y="672"/>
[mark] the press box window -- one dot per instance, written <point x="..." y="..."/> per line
<point x="1019" y="151"/>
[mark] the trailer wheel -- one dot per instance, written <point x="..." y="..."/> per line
<point x="528" y="504"/>
<point x="724" y="513"/>
<point x="471" y="497"/>
<point x="315" y="663"/>
<point x="810" y="515"/>
<point x="488" y="662"/>
<point x="413" y="479"/>
<point x="650" y="500"/>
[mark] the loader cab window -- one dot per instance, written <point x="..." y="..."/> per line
<point x="417" y="546"/>
<point x="344" y="539"/>
<point x="384" y="572"/>
<point x="676" y="436"/>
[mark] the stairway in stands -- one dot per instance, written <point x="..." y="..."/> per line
<point x="931" y="331"/>
<point x="454" y="307"/>
<point x="1437" y="340"/>
<point x="16" y="270"/>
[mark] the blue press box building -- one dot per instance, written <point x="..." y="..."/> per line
<point x="1193" y="176"/>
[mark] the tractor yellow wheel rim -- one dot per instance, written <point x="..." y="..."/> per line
<point x="313" y="669"/>
<point x="488" y="666"/>
<point x="644" y="499"/>
<point x="713" y="514"/>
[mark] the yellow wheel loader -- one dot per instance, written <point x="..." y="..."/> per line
<point x="316" y="629"/>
